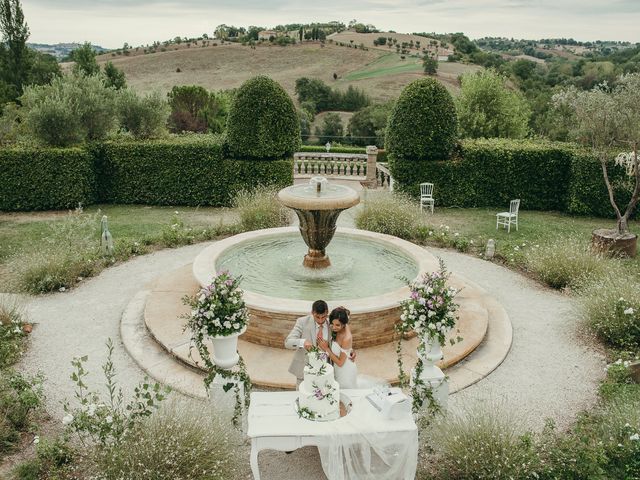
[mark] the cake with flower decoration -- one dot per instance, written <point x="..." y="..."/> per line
<point x="319" y="393"/>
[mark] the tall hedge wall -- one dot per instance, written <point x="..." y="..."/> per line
<point x="588" y="193"/>
<point x="180" y="173"/>
<point x="45" y="179"/>
<point x="187" y="171"/>
<point x="488" y="173"/>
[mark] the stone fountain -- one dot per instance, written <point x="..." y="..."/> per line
<point x="318" y="206"/>
<point x="365" y="271"/>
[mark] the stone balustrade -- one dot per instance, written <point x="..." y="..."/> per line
<point x="383" y="176"/>
<point x="330" y="164"/>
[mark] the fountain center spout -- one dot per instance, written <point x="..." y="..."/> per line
<point x="319" y="183"/>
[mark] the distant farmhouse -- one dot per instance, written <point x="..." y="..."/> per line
<point x="267" y="34"/>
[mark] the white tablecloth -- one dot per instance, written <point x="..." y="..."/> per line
<point x="361" y="445"/>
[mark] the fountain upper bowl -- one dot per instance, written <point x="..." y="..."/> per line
<point x="306" y="197"/>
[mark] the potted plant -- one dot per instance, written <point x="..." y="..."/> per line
<point x="606" y="119"/>
<point x="218" y="313"/>
<point x="430" y="312"/>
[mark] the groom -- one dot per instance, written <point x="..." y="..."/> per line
<point x="305" y="334"/>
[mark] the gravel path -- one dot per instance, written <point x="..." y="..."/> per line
<point x="548" y="373"/>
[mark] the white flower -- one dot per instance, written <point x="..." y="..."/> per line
<point x="201" y="298"/>
<point x="68" y="418"/>
<point x="422" y="318"/>
<point x="431" y="313"/>
<point x="109" y="419"/>
<point x="236" y="326"/>
<point x="456" y="234"/>
<point x="430" y="232"/>
<point x="629" y="311"/>
<point x="62" y="289"/>
<point x="634" y="437"/>
<point x="446" y="228"/>
<point x="403" y="317"/>
<point x="234" y="300"/>
<point x="36" y="439"/>
<point x="91" y="409"/>
<point x="227" y="324"/>
<point x="432" y="326"/>
<point x="516" y="248"/>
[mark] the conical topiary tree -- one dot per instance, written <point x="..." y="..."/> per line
<point x="262" y="122"/>
<point x="423" y="124"/>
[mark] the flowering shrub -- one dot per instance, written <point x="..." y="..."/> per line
<point x="106" y="421"/>
<point x="430" y="310"/>
<point x="179" y="441"/>
<point x="390" y="213"/>
<point x="566" y="262"/>
<point x="611" y="307"/>
<point x="12" y="336"/>
<point x="218" y="309"/>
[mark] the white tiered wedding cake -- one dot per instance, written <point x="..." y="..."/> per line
<point x="319" y="393"/>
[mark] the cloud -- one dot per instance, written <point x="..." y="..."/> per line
<point x="112" y="22"/>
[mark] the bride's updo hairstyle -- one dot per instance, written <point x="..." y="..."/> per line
<point x="339" y="313"/>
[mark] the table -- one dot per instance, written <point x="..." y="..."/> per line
<point x="274" y="424"/>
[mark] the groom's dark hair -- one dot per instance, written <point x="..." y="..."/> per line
<point x="319" y="307"/>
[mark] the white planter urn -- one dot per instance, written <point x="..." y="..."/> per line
<point x="225" y="349"/>
<point x="431" y="374"/>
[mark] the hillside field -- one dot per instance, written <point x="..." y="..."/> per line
<point x="381" y="74"/>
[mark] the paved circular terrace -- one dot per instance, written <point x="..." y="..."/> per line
<point x="160" y="309"/>
<point x="549" y="370"/>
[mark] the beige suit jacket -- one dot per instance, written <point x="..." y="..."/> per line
<point x="305" y="327"/>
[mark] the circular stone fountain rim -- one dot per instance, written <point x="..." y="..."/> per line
<point x="291" y="200"/>
<point x="204" y="266"/>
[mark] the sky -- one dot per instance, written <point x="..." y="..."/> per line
<point x="110" y="23"/>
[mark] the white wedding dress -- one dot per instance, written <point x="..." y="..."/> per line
<point x="354" y="452"/>
<point x="347" y="374"/>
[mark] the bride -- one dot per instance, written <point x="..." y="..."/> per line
<point x="340" y="349"/>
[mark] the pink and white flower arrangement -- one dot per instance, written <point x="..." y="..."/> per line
<point x="218" y="309"/>
<point x="430" y="310"/>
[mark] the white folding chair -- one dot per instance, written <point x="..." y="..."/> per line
<point x="509" y="218"/>
<point x="426" y="196"/>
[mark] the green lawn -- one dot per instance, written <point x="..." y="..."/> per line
<point x="151" y="227"/>
<point x="20" y="232"/>
<point x="390" y="64"/>
<point x="535" y="228"/>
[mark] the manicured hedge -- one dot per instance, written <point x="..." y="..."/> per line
<point x="321" y="148"/>
<point x="181" y="173"/>
<point x="588" y="193"/>
<point x="45" y="179"/>
<point x="382" y="154"/>
<point x="262" y="122"/>
<point x="489" y="173"/>
<point x="423" y="124"/>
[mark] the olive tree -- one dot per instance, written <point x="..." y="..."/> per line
<point x="606" y="119"/>
<point x="72" y="109"/>
<point x="487" y="108"/>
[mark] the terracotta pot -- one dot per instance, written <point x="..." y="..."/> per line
<point x="610" y="242"/>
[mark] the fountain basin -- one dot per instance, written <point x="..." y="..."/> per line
<point x="373" y="314"/>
